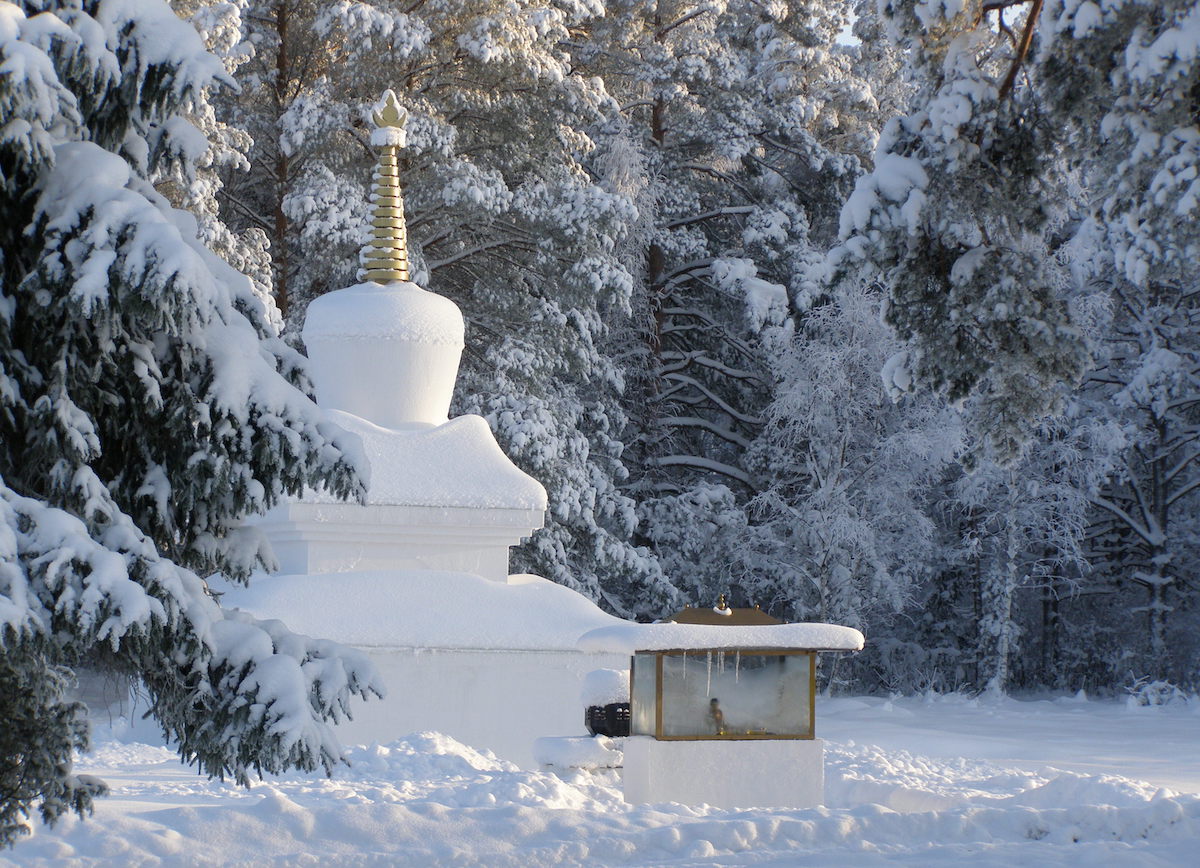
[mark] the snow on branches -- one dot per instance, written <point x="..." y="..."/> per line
<point x="246" y="696"/>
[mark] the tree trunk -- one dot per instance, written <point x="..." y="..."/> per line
<point x="1160" y="557"/>
<point x="1156" y="611"/>
<point x="1051" y="623"/>
<point x="998" y="594"/>
<point x="656" y="263"/>
<point x="279" y="240"/>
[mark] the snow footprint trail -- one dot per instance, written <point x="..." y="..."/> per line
<point x="428" y="800"/>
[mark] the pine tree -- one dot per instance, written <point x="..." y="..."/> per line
<point x="959" y="219"/>
<point x="142" y="417"/>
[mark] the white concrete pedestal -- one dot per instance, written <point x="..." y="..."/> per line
<point x="786" y="773"/>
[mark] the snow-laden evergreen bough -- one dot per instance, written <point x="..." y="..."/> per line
<point x="146" y="407"/>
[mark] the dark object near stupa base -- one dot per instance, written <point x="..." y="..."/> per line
<point x="611" y="720"/>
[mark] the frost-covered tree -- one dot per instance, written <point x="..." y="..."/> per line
<point x="1144" y="540"/>
<point x="841" y="517"/>
<point x="959" y="215"/>
<point x="145" y="410"/>
<point x="729" y="114"/>
<point x="1023" y="529"/>
<point x="1050" y="139"/>
<point x="1029" y="114"/>
<point x="1124" y="78"/>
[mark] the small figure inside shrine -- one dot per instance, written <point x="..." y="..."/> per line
<point x="717" y="716"/>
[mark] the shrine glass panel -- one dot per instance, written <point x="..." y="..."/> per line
<point x="736" y="694"/>
<point x="643" y="694"/>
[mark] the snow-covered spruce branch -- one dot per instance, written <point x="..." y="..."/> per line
<point x="728" y="340"/>
<point x="700" y="463"/>
<point x="249" y="697"/>
<point x="484" y="247"/>
<point x="1148" y="532"/>
<point x="680" y="361"/>
<point x="731" y="211"/>
<point x="686" y="381"/>
<point x="1183" y="492"/>
<point x="665" y="30"/>
<point x="722" y="176"/>
<point x="681" y="273"/>
<point x="1183" y="464"/>
<point x="706" y="425"/>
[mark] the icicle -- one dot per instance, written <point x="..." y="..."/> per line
<point x="708" y="684"/>
<point x="737" y="666"/>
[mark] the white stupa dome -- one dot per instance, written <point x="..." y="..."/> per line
<point x="387" y="353"/>
<point x="395" y="311"/>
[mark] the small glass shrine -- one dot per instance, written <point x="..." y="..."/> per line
<point x="723" y="693"/>
<point x="721" y="707"/>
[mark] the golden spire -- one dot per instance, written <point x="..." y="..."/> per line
<point x="384" y="259"/>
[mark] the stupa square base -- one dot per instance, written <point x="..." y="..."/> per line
<point x="347" y="537"/>
<point x="788" y="773"/>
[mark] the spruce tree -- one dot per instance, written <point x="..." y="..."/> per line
<point x="145" y="409"/>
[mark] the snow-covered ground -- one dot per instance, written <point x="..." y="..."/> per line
<point x="910" y="781"/>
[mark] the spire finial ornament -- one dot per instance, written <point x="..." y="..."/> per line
<point x="385" y="257"/>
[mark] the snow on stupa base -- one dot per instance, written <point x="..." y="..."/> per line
<point x="725" y="774"/>
<point x="493" y="664"/>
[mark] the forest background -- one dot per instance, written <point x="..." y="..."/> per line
<point x="689" y="237"/>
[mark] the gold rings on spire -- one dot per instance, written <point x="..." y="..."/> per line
<point x="384" y="259"/>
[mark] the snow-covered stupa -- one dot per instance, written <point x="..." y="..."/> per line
<point x="417" y="577"/>
<point x="384" y="357"/>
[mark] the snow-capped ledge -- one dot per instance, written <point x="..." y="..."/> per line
<point x="627" y="638"/>
<point x="425" y="609"/>
<point x="456" y="464"/>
